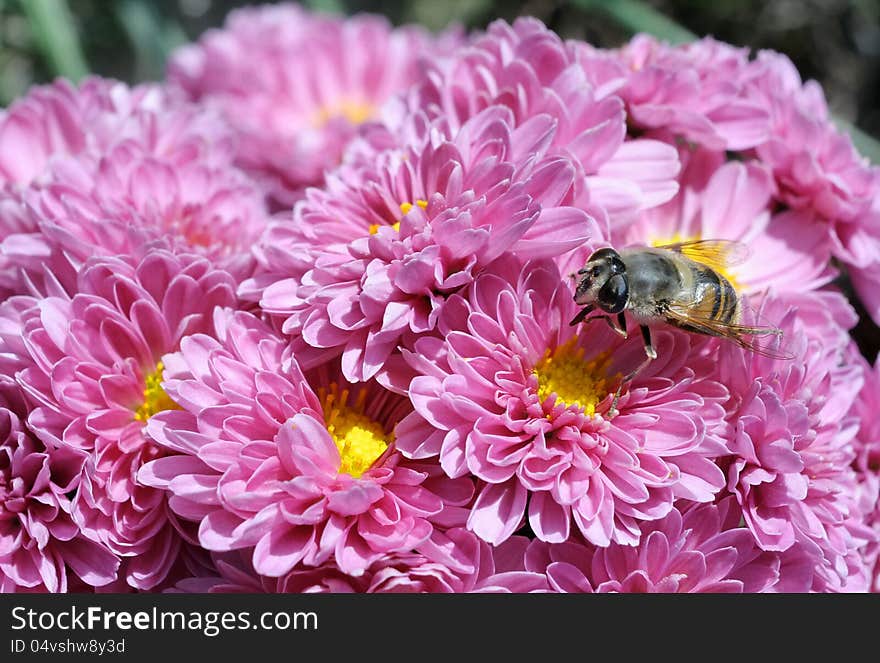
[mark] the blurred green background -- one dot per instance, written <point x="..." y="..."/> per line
<point x="834" y="42"/>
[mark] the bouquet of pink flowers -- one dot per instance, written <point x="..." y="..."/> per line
<point x="298" y="319"/>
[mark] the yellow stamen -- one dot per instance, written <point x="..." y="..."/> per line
<point x="360" y="440"/>
<point x="374" y="227"/>
<point x="155" y="398"/>
<point x="716" y="265"/>
<point x="575" y="381"/>
<point x="406" y="207"/>
<point x="354" y="112"/>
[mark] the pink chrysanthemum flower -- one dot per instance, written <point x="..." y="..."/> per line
<point x="48" y="121"/>
<point x="514" y="395"/>
<point x="818" y="170"/>
<point x="40" y="544"/>
<point x="455" y="561"/>
<point x="303" y="474"/>
<point x="130" y="198"/>
<point x="815" y="165"/>
<point x="297" y="85"/>
<point x="390" y="244"/>
<point x="703" y="549"/>
<point x="529" y="69"/>
<point x="59" y="121"/>
<point x="792" y="443"/>
<point x="786" y="251"/>
<point x="95" y="372"/>
<point x="694" y="91"/>
<point x="143" y="167"/>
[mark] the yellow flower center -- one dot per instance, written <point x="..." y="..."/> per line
<point x="715" y="262"/>
<point x="353" y="111"/>
<point x="155" y="398"/>
<point x="575" y="381"/>
<point x="360" y="440"/>
<point x="374" y="228"/>
<point x="405" y="209"/>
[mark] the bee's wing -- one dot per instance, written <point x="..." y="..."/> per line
<point x="698" y="318"/>
<point x="715" y="253"/>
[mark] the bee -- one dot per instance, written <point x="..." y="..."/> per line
<point x="677" y="284"/>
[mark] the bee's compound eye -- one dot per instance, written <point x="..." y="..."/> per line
<point x="613" y="296"/>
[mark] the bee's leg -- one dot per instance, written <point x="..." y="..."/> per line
<point x="583" y="313"/>
<point x="651" y="355"/>
<point x="618" y="325"/>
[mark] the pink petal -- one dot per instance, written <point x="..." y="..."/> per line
<point x="498" y="511"/>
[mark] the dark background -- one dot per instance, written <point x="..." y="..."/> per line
<point x="834" y="42"/>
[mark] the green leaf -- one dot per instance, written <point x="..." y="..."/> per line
<point x="638" y="16"/>
<point x="329" y="6"/>
<point x="151" y="37"/>
<point x="55" y="33"/>
<point x="439" y="15"/>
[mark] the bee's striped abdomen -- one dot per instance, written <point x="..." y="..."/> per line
<point x="730" y="307"/>
<point x="718" y="298"/>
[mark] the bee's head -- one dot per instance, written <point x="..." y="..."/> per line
<point x="602" y="282"/>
